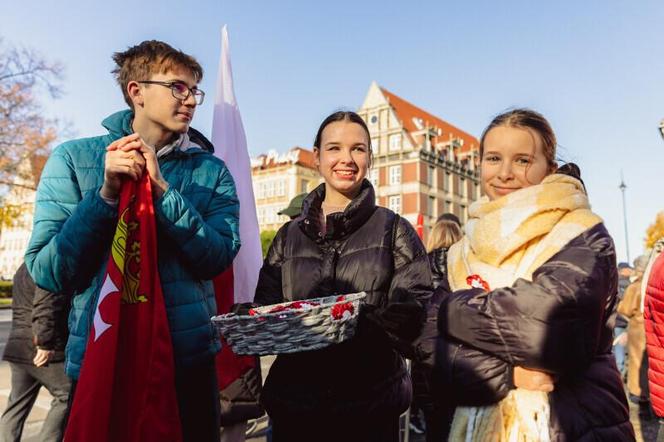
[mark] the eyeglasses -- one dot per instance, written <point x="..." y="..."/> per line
<point x="180" y="90"/>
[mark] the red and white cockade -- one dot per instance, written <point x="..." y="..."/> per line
<point x="476" y="282"/>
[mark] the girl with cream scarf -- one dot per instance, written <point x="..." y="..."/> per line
<point x="524" y="351"/>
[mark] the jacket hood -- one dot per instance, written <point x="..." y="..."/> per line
<point x="119" y="125"/>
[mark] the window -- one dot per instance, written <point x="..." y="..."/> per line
<point x="373" y="119"/>
<point x="448" y="206"/>
<point x="395" y="142"/>
<point x="280" y="188"/>
<point x="462" y="186"/>
<point x="375" y="144"/>
<point x="394" y="203"/>
<point x="446" y="181"/>
<point x="304" y="186"/>
<point x="395" y="175"/>
<point x="471" y="190"/>
<point x="373" y="177"/>
<point x="431" y="173"/>
<point x="431" y="208"/>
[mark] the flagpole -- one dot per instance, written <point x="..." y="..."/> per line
<point x="238" y="283"/>
<point x="623" y="188"/>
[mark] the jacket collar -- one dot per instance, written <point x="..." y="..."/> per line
<point x="338" y="225"/>
<point x="119" y="125"/>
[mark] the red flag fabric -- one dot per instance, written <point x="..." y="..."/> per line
<point x="419" y="228"/>
<point x="126" y="389"/>
<point x="229" y="365"/>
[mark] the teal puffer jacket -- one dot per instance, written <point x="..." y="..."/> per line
<point x="197" y="234"/>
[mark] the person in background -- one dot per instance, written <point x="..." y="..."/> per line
<point x="35" y="352"/>
<point x="445" y="232"/>
<point x="294" y="208"/>
<point x="637" y="365"/>
<point x="344" y="243"/>
<point x="625" y="272"/>
<point x="653" y="313"/>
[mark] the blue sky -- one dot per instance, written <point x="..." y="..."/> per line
<point x="594" y="68"/>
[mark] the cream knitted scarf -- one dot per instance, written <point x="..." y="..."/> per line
<point x="507" y="239"/>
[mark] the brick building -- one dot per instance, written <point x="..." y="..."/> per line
<point x="423" y="165"/>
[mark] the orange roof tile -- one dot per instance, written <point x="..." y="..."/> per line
<point x="305" y="158"/>
<point x="296" y="155"/>
<point x="406" y="112"/>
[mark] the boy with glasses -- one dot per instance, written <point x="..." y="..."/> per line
<point x="196" y="212"/>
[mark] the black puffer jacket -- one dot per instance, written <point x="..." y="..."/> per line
<point x="560" y="323"/>
<point x="438" y="262"/>
<point x="365" y="248"/>
<point x="38" y="318"/>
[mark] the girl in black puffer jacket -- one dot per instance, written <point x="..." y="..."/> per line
<point x="524" y="351"/>
<point x="343" y="243"/>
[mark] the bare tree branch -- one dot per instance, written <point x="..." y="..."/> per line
<point x="25" y="133"/>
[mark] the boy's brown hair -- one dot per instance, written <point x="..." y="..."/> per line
<point x="151" y="57"/>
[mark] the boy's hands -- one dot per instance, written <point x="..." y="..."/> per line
<point x="159" y="184"/>
<point x="123" y="159"/>
<point x="128" y="157"/>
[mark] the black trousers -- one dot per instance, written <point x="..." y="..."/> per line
<point x="198" y="402"/>
<point x="331" y="429"/>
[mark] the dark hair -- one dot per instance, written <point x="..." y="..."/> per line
<point x="526" y="119"/>
<point x="150" y="57"/>
<point x="349" y="116"/>
<point x="449" y="217"/>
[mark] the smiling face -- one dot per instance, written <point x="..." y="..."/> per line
<point x="343" y="158"/>
<point x="513" y="158"/>
<point x="156" y="104"/>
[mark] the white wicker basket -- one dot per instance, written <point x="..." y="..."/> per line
<point x="293" y="330"/>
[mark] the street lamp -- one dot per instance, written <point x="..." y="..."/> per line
<point x="622" y="188"/>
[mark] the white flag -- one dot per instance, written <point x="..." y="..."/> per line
<point x="230" y="144"/>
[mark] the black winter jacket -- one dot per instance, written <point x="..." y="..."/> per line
<point x="560" y="323"/>
<point x="39" y="318"/>
<point x="438" y="262"/>
<point x="365" y="248"/>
